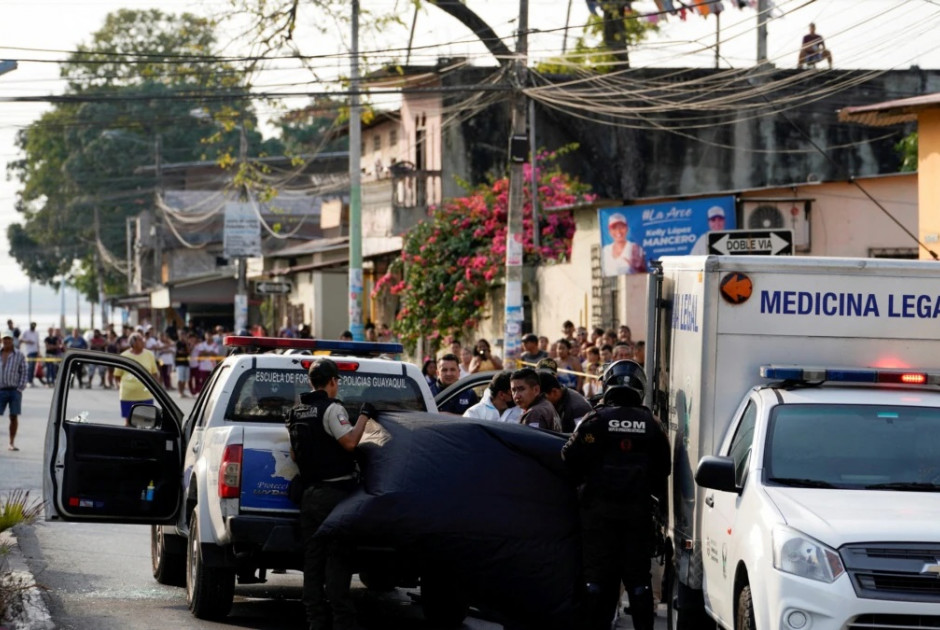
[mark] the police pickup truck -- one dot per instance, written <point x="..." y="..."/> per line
<point x="213" y="484"/>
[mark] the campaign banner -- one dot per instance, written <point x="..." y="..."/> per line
<point x="632" y="236"/>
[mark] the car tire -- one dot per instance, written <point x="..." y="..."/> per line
<point x="444" y="606"/>
<point x="744" y="611"/>
<point x="209" y="590"/>
<point x="168" y="567"/>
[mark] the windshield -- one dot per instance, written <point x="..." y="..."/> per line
<point x="267" y="395"/>
<point x="854" y="446"/>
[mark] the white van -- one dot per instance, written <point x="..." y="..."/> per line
<point x="802" y="403"/>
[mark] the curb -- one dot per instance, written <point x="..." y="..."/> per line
<point x="28" y="610"/>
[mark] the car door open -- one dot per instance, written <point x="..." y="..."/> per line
<point x="96" y="468"/>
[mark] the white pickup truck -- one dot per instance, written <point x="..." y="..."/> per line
<point x="213" y="484"/>
<point x="802" y="398"/>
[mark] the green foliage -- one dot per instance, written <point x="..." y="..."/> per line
<point x="907" y="148"/>
<point x="450" y="262"/>
<point x="18" y="508"/>
<point x="136" y="85"/>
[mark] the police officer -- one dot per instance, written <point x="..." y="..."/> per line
<point x="322" y="442"/>
<point x="621" y="455"/>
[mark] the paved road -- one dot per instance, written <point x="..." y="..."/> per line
<point x="98" y="576"/>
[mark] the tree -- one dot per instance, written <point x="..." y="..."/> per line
<point x="451" y="262"/>
<point x="128" y="106"/>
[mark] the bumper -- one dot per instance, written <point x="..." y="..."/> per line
<point x="793" y="603"/>
<point x="265" y="535"/>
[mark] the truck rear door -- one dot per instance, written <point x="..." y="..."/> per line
<point x="95" y="468"/>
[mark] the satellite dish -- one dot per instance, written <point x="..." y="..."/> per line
<point x="765" y="217"/>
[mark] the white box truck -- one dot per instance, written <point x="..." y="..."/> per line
<point x="802" y="401"/>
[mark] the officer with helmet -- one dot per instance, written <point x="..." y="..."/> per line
<point x="620" y="455"/>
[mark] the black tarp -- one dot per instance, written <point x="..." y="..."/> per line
<point x="489" y="503"/>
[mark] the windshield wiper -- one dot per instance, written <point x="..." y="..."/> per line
<point x="916" y="486"/>
<point x="801" y="483"/>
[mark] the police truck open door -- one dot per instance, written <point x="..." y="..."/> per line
<point x="96" y="468"/>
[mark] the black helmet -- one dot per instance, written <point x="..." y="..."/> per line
<point x="625" y="375"/>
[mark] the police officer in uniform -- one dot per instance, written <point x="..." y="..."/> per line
<point x="322" y="442"/>
<point x="620" y="454"/>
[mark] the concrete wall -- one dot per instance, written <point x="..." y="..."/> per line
<point x="928" y="163"/>
<point x="843" y="222"/>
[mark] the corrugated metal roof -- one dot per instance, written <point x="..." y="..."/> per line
<point x="890" y="112"/>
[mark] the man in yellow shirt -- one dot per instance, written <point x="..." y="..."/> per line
<point x="132" y="391"/>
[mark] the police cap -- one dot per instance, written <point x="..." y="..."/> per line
<point x="321" y="371"/>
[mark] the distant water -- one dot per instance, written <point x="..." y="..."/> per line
<point x="43" y="321"/>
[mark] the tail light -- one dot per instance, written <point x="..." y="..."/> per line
<point x="230" y="472"/>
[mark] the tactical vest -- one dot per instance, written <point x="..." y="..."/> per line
<point x="623" y="472"/>
<point x="318" y="454"/>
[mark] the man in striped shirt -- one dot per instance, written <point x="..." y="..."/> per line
<point x="13" y="378"/>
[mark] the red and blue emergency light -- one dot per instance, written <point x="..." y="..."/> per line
<point x="355" y="348"/>
<point x="806" y="374"/>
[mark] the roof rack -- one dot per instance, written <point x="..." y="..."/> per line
<point x="254" y="345"/>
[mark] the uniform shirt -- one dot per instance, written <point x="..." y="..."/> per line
<point x="460" y="403"/>
<point x="131" y="388"/>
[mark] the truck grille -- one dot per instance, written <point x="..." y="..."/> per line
<point x="895" y="571"/>
<point x="894" y="622"/>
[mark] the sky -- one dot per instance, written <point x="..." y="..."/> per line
<point x="866" y="34"/>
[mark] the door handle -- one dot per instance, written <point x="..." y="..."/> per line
<point x="710" y="500"/>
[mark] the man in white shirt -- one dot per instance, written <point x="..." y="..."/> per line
<point x="716" y="222"/>
<point x="29" y="346"/>
<point x="496" y="404"/>
<point x="621" y="256"/>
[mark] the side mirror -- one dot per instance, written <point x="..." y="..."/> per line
<point x="145" y="417"/>
<point x="716" y="473"/>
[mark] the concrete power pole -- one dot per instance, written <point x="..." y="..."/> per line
<point x="355" y="185"/>
<point x="763" y="13"/>
<point x="518" y="149"/>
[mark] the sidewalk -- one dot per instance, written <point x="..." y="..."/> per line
<point x="27" y="610"/>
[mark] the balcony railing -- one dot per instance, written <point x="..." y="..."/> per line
<point x="413" y="188"/>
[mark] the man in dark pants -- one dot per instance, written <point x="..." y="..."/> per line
<point x="322" y="443"/>
<point x="621" y="455"/>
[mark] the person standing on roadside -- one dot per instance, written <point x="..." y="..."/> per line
<point x="53" y="344"/>
<point x="322" y="441"/>
<point x="29" y="346"/>
<point x="13" y="380"/>
<point x="448" y="373"/>
<point x="182" y="363"/>
<point x="132" y="391"/>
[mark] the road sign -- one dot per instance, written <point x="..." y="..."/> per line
<point x="751" y="242"/>
<point x="272" y="288"/>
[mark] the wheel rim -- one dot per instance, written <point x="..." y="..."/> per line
<point x="192" y="558"/>
<point x="156" y="548"/>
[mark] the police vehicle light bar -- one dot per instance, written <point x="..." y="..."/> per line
<point x="807" y="374"/>
<point x="287" y="343"/>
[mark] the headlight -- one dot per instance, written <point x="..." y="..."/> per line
<point x="797" y="553"/>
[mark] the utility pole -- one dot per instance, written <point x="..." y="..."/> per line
<point x="241" y="263"/>
<point x="763" y="10"/>
<point x="518" y="148"/>
<point x="355" y="185"/>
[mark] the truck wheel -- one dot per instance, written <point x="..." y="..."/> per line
<point x="443" y="604"/>
<point x="168" y="567"/>
<point x="745" y="610"/>
<point x="209" y="590"/>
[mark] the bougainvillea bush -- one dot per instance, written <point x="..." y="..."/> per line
<point x="450" y="261"/>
